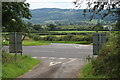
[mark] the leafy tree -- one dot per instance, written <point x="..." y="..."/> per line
<point x="98" y="27"/>
<point x="12" y="14"/>
<point x="52" y="27"/>
<point x="37" y="27"/>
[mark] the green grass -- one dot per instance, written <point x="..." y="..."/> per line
<point x="36" y="43"/>
<point x="53" y="35"/>
<point x="77" y="31"/>
<point x="87" y="71"/>
<point x="71" y="42"/>
<point x="13" y="69"/>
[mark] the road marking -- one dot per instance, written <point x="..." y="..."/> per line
<point x="54" y="63"/>
<point x="62" y="58"/>
<point x="55" y="58"/>
<point x="70" y="61"/>
<point x="35" y="57"/>
<point x="52" y="57"/>
<point x="76" y="46"/>
<point x="71" y="58"/>
<point x="43" y="57"/>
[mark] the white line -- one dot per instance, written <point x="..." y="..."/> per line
<point x="76" y="46"/>
<point x="52" y="57"/>
<point x="35" y="57"/>
<point x="43" y="57"/>
<point x="62" y="58"/>
<point x="54" y="63"/>
<point x="71" y="58"/>
<point x="70" y="61"/>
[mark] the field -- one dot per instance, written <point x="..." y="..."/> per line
<point x="45" y="38"/>
<point x="76" y="31"/>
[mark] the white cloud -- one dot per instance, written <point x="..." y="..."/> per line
<point x="34" y="4"/>
<point x="50" y="0"/>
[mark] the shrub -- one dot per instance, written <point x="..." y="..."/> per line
<point x="50" y="38"/>
<point x="67" y="37"/>
<point x="37" y="38"/>
<point x="107" y="62"/>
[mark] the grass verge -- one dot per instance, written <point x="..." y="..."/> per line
<point x="76" y="31"/>
<point x="71" y="42"/>
<point x="13" y="69"/>
<point x="36" y="43"/>
<point x="87" y="72"/>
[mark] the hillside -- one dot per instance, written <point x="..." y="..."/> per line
<point x="56" y="15"/>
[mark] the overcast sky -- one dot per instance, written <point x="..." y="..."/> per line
<point x="64" y="4"/>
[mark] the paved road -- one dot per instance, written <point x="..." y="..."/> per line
<point x="57" y="60"/>
<point x="59" y="50"/>
<point x="52" y="67"/>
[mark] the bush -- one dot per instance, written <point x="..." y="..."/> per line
<point x="50" y="38"/>
<point x="67" y="37"/>
<point x="37" y="38"/>
<point x="107" y="62"/>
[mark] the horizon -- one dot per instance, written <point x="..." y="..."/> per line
<point x="55" y="8"/>
<point x="62" y="4"/>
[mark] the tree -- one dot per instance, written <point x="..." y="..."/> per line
<point x="38" y="27"/>
<point x="52" y="27"/>
<point x="12" y="14"/>
<point x="96" y="7"/>
<point x="98" y="27"/>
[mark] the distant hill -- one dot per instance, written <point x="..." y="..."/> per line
<point x="56" y="15"/>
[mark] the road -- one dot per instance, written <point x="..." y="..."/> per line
<point x="51" y="67"/>
<point x="59" y="50"/>
<point x="58" y="60"/>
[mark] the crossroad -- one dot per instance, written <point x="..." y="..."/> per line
<point x="59" y="50"/>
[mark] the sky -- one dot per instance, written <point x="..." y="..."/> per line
<point x="63" y="4"/>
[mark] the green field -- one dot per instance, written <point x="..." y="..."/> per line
<point x="76" y="31"/>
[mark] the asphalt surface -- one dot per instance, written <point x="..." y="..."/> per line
<point x="52" y="67"/>
<point x="59" y="50"/>
<point x="57" y="60"/>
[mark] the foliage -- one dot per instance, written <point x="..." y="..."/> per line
<point x="12" y="14"/>
<point x="52" y="27"/>
<point x="38" y="28"/>
<point x="50" y="38"/>
<point x="69" y="37"/>
<point x="98" y="7"/>
<point x="12" y="68"/>
<point x="87" y="72"/>
<point x="98" y="27"/>
<point x="107" y="62"/>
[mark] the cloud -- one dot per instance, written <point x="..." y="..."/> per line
<point x="64" y="4"/>
<point x="50" y="0"/>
